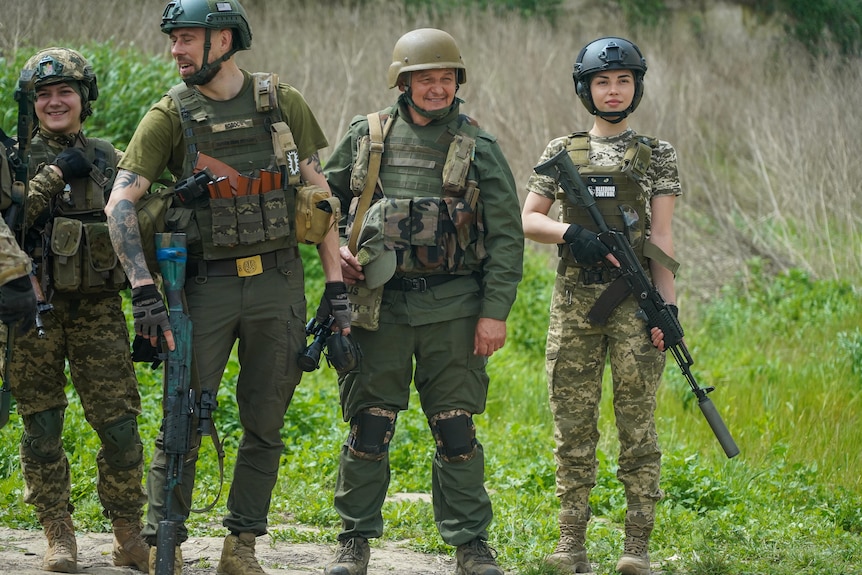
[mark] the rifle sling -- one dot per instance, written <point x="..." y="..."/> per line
<point x="220" y="451"/>
<point x="613" y="296"/>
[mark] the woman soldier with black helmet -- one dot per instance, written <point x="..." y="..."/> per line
<point x="635" y="182"/>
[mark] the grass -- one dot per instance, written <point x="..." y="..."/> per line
<point x="768" y="231"/>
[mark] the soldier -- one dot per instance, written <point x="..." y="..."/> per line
<point x="635" y="181"/>
<point x="245" y="276"/>
<point x="443" y="219"/>
<point x="17" y="300"/>
<point x="79" y="274"/>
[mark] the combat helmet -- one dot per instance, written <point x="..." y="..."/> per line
<point x="425" y="49"/>
<point x="210" y="15"/>
<point x="609" y="53"/>
<point x="55" y="65"/>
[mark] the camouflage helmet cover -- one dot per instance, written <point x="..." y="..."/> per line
<point x="608" y="53"/>
<point x="55" y="65"/>
<point x="425" y="49"/>
<point x="213" y="14"/>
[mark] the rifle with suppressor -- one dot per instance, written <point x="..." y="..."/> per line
<point x="653" y="308"/>
<point x="16" y="215"/>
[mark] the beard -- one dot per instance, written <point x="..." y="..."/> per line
<point x="203" y="76"/>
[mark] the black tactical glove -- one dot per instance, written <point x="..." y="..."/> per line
<point x="73" y="163"/>
<point x="334" y="303"/>
<point x="149" y="312"/>
<point x="343" y="352"/>
<point x="18" y="304"/>
<point x="586" y="247"/>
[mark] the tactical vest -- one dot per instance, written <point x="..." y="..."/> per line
<point x="619" y="197"/>
<point x="432" y="214"/>
<point x="240" y="133"/>
<point x="79" y="254"/>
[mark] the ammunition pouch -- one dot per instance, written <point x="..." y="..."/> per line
<point x="83" y="258"/>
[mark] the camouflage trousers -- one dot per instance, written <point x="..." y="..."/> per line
<point x="92" y="334"/>
<point x="576" y="354"/>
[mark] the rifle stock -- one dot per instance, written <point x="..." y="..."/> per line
<point x="179" y="397"/>
<point x="653" y="307"/>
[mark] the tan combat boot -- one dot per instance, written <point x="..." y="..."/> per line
<point x="237" y="556"/>
<point x="178" y="561"/>
<point x="476" y="558"/>
<point x="62" y="553"/>
<point x="570" y="554"/>
<point x="130" y="550"/>
<point x="635" y="558"/>
<point x="351" y="558"/>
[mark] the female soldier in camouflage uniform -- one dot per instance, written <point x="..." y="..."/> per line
<point x="80" y="275"/>
<point x="635" y="182"/>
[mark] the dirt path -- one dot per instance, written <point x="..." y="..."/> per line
<point x="21" y="554"/>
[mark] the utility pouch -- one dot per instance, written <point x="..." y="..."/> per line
<point x="224" y="218"/>
<point x="66" y="236"/>
<point x="365" y="305"/>
<point x="359" y="173"/>
<point x="249" y="220"/>
<point x="316" y="213"/>
<point x="99" y="269"/>
<point x="273" y="205"/>
<point x="460" y="154"/>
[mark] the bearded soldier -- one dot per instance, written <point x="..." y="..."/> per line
<point x="433" y="253"/>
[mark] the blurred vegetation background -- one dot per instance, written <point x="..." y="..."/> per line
<point x="758" y="99"/>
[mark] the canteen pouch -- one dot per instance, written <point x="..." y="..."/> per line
<point x="249" y="220"/>
<point x="273" y="205"/>
<point x="66" y="236"/>
<point x="100" y="270"/>
<point x="365" y="305"/>
<point x="224" y="218"/>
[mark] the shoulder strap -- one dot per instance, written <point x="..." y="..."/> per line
<point x="378" y="134"/>
<point x="578" y="146"/>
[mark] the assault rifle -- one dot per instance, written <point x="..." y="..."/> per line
<point x="16" y="215"/>
<point x="653" y="308"/>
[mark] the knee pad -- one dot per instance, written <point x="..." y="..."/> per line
<point x="43" y="435"/>
<point x="370" y="432"/>
<point x="455" y="435"/>
<point x="121" y="444"/>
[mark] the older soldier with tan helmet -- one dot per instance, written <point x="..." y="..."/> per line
<point x="635" y="181"/>
<point x="70" y="181"/>
<point x="433" y="253"/>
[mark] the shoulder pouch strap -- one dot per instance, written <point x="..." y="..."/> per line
<point x="377" y="135"/>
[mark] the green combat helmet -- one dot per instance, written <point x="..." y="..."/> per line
<point x="425" y="49"/>
<point x="55" y="65"/>
<point x="609" y="53"/>
<point x="211" y="15"/>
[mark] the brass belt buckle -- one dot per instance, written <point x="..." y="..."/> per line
<point x="250" y="266"/>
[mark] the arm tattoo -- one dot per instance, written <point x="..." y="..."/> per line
<point x="314" y="162"/>
<point x="126" y="237"/>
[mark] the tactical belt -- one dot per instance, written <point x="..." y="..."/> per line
<point x="419" y="284"/>
<point x="591" y="275"/>
<point x="240" y="267"/>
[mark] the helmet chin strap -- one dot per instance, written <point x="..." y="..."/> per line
<point x="613" y="118"/>
<point x="433" y="114"/>
<point x="208" y="70"/>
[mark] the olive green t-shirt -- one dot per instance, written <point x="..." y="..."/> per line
<point x="158" y="140"/>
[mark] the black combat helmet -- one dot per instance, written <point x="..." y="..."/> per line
<point x="609" y="53"/>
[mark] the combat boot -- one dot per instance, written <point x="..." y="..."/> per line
<point x="178" y="560"/>
<point x="476" y="558"/>
<point x="570" y="554"/>
<point x="351" y="558"/>
<point x="635" y="558"/>
<point x="237" y="556"/>
<point x="130" y="550"/>
<point x="61" y="556"/>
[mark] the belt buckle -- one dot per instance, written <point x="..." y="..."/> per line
<point x="418" y="284"/>
<point x="250" y="266"/>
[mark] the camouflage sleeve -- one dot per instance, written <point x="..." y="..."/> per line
<point x="502" y="269"/>
<point x="663" y="172"/>
<point x="14" y="263"/>
<point x="44" y="185"/>
<point x="339" y="167"/>
<point x="545" y="185"/>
